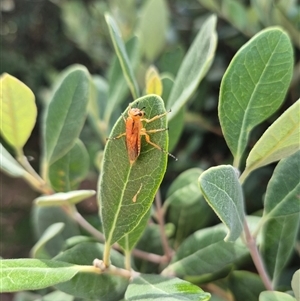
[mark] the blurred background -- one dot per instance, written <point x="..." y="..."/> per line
<point x="40" y="38"/>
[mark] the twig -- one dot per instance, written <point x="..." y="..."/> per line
<point x="160" y="218"/>
<point x="257" y="258"/>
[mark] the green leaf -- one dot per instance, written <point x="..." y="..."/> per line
<point x="66" y="173"/>
<point x="223" y="192"/>
<point x="281" y="213"/>
<point x="128" y="242"/>
<point x="118" y="88"/>
<point x="150" y="242"/>
<point x="205" y="252"/>
<point x="282" y="195"/>
<point x="295" y="284"/>
<point x="33" y="274"/>
<point x="9" y="165"/>
<point x="280" y="140"/>
<point x="43" y="217"/>
<point x="254" y="86"/>
<point x="195" y="65"/>
<point x="245" y="285"/>
<point x="66" y="113"/>
<point x="275" y="296"/>
<point x="127" y="191"/>
<point x="38" y="250"/>
<point x="185" y="204"/>
<point x="90" y="285"/>
<point x="18" y="111"/>
<point x="64" y="198"/>
<point x="153" y="27"/>
<point x="122" y="55"/>
<point x="156" y="287"/>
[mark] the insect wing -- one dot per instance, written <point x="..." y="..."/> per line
<point x="133" y="139"/>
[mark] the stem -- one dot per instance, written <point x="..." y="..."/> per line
<point x="128" y="261"/>
<point x="87" y="226"/>
<point x="106" y="254"/>
<point x="161" y="223"/>
<point x="257" y="258"/>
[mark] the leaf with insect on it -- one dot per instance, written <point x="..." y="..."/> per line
<point x="121" y="208"/>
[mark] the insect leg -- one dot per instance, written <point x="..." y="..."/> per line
<point x="117" y="137"/>
<point x="155" y="117"/>
<point x="147" y="137"/>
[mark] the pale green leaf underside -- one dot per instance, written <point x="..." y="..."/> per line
<point x="295" y="284"/>
<point x="49" y="233"/>
<point x="64" y="198"/>
<point x="222" y="190"/>
<point x="155" y="287"/>
<point x="126" y="192"/>
<point x="33" y="274"/>
<point x="9" y="165"/>
<point x="122" y="55"/>
<point x="194" y="66"/>
<point x="280" y="140"/>
<point x="254" y="86"/>
<point x="275" y="296"/>
<point x="18" y="111"/>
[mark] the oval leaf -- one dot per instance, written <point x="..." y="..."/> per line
<point x="43" y="273"/>
<point x="18" y="111"/>
<point x="66" y="173"/>
<point x="153" y="27"/>
<point x="282" y="208"/>
<point x="204" y="253"/>
<point x="275" y="296"/>
<point x="64" y="198"/>
<point x="120" y="50"/>
<point x="127" y="191"/>
<point x="38" y="249"/>
<point x="223" y="192"/>
<point x="156" y="287"/>
<point x="9" y="165"/>
<point x="153" y="82"/>
<point x="66" y="113"/>
<point x="194" y="66"/>
<point x="280" y="140"/>
<point x="295" y="284"/>
<point x="254" y="86"/>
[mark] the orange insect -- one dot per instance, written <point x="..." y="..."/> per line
<point x="135" y="129"/>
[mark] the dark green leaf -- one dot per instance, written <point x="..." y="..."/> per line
<point x="155" y="287"/>
<point x="128" y="242"/>
<point x="122" y="55"/>
<point x="245" y="285"/>
<point x="118" y="88"/>
<point x="43" y="217"/>
<point x="127" y="191"/>
<point x="186" y="204"/>
<point x="66" y="113"/>
<point x="254" y="86"/>
<point x="194" y="66"/>
<point x="66" y="173"/>
<point x="205" y="252"/>
<point x="222" y="190"/>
